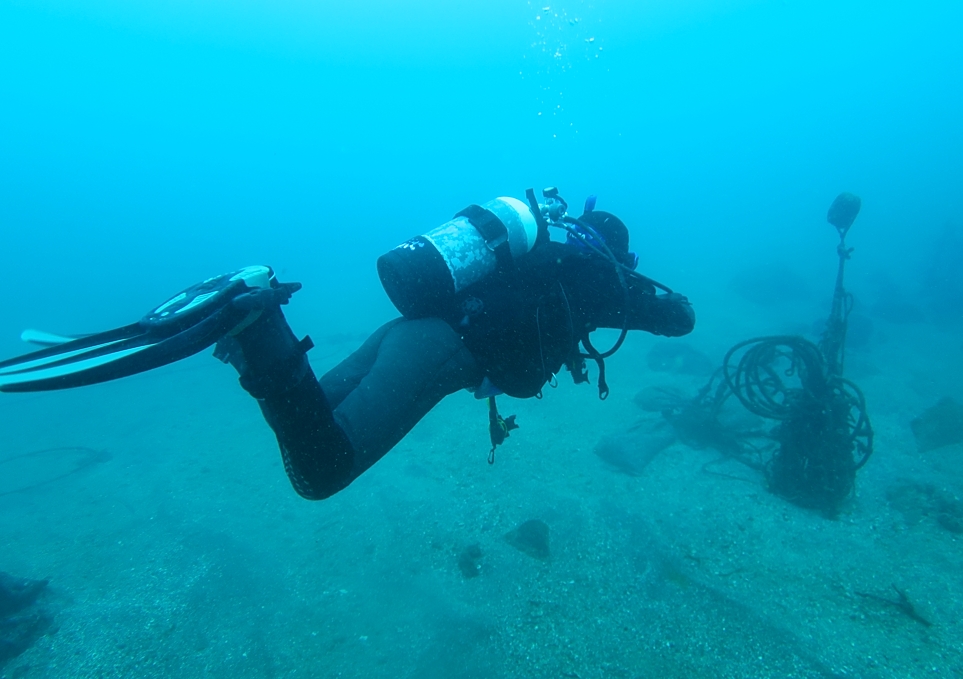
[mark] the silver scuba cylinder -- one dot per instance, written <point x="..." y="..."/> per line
<point x="423" y="275"/>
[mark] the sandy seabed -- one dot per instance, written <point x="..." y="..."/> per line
<point x="183" y="552"/>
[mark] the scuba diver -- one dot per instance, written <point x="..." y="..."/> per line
<point x="489" y="303"/>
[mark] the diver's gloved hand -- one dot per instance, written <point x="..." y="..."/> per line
<point x="672" y="316"/>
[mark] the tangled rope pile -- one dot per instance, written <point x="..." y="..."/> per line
<point x="823" y="436"/>
<point x="824" y="433"/>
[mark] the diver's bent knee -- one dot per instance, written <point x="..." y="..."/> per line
<point x="320" y="491"/>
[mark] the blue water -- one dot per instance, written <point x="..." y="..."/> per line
<point x="146" y="146"/>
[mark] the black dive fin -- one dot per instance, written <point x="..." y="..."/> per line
<point x="180" y="327"/>
<point x="46" y="339"/>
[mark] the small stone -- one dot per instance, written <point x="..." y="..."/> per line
<point x="468" y="561"/>
<point x="531" y="538"/>
<point x="941" y="425"/>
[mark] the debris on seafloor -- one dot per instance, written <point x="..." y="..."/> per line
<point x="468" y="561"/>
<point x="679" y="358"/>
<point x="631" y="452"/>
<point x="697" y="423"/>
<point x="941" y="425"/>
<point x="531" y="538"/>
<point x="28" y="471"/>
<point x="918" y="501"/>
<point x="902" y="604"/>
<point x="22" y="622"/>
<point x="657" y="398"/>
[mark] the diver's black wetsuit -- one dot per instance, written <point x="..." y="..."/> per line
<point x="516" y="328"/>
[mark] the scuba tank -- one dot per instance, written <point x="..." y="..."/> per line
<point x="423" y="275"/>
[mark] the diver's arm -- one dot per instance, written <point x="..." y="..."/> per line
<point x="598" y="300"/>
<point x="668" y="314"/>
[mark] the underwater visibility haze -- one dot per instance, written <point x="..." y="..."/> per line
<point x="147" y="527"/>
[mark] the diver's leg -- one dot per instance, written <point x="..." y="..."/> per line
<point x="317" y="456"/>
<point x="417" y="364"/>
<point x="342" y="379"/>
<point x="382" y="391"/>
